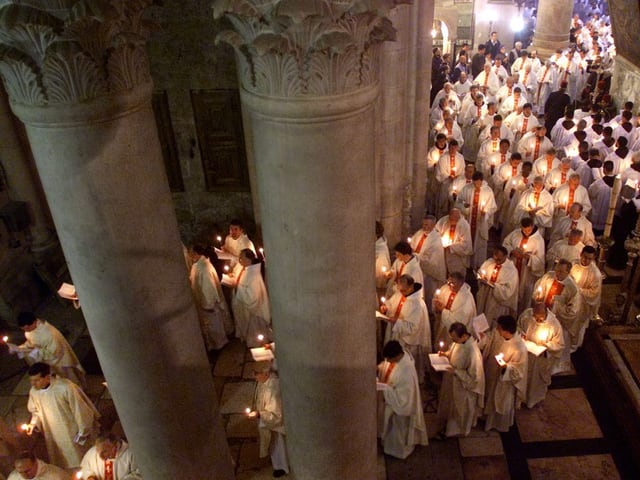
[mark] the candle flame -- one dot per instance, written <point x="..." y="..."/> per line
<point x="438" y="291"/>
<point x="79" y="475"/>
<point x="382" y="299"/>
<point x="219" y="238"/>
<point x="247" y="410"/>
<point x="408" y="239"/>
<point x="441" y="344"/>
<point x="226" y="268"/>
<point x="24" y="427"/>
<point x="384" y="269"/>
<point x="5" y="339"/>
<point x="260" y="337"/>
<point x="261" y="250"/>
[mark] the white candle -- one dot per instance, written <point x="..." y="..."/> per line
<point x="247" y="410"/>
<point x="408" y="239"/>
<point x="5" y="339"/>
<point x="24" y="427"/>
<point x="260" y="337"/>
<point x="219" y="239"/>
<point x="226" y="268"/>
<point x="384" y="269"/>
<point x="539" y="295"/>
<point x="261" y="251"/>
<point x="437" y="292"/>
<point x="79" y="475"/>
<point x="615" y="193"/>
<point x="382" y="299"/>
<point x="441" y="345"/>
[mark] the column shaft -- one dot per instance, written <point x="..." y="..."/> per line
<point x="552" y="26"/>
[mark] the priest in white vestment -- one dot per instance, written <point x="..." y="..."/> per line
<point x="237" y="241"/>
<point x="461" y="396"/>
<point x="568" y="248"/>
<point x="477" y="203"/>
<point x="505" y="382"/>
<point x="452" y="302"/>
<point x="575" y="220"/>
<point x="403" y="426"/>
<point x="488" y="80"/>
<point x="408" y="321"/>
<point x="523" y="123"/>
<point x="110" y="459"/>
<point x="547" y="162"/>
<point x="589" y="281"/>
<point x="432" y="186"/>
<point x="527" y="251"/>
<point x="540" y="326"/>
<point x="213" y="313"/>
<point x="600" y="197"/>
<point x="427" y="245"/>
<point x="27" y="466"/>
<point x="498" y="286"/>
<point x="450" y="165"/>
<point x="268" y="410"/>
<point x="559" y="292"/>
<point x="383" y="260"/>
<point x="534" y="144"/>
<point x="569" y="193"/>
<point x="250" y="304"/>
<point x="546" y="81"/>
<point x="536" y="204"/>
<point x="406" y="263"/>
<point x="63" y="413"/>
<point x="45" y="343"/>
<point x="490" y="164"/>
<point x="455" y="233"/>
<point x="513" y="190"/>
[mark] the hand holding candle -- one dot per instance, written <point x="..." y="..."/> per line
<point x="500" y="359"/>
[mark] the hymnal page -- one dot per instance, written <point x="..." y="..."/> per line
<point x="260" y="354"/>
<point x="439" y="364"/>
<point x="534" y="348"/>
<point x="68" y="291"/>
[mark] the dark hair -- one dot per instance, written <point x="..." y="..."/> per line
<point x="26" y="455"/>
<point x="392" y="349"/>
<point x="460" y="329"/>
<point x="26" y="318"/>
<point x="379" y="229"/>
<point x="250" y="255"/>
<point x="501" y="249"/>
<point x="236" y="222"/>
<point x="39" y="368"/>
<point x="458" y="276"/>
<point x="408" y="279"/>
<point x="526" y="222"/>
<point x="589" y="249"/>
<point x="477" y="176"/>
<point x="403" y="247"/>
<point x="516" y="156"/>
<point x="507" y="323"/>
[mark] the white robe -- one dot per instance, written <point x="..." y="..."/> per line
<point x="235" y="246"/>
<point x="557" y="178"/>
<point x="404" y="425"/>
<point x="531" y="269"/>
<point x="44" y="471"/>
<point x="52" y="348"/>
<point x="501" y="298"/>
<point x="445" y="174"/>
<point x="459" y="248"/>
<point x="432" y="186"/>
<point x="562" y="249"/>
<point x="62" y="411"/>
<point x="463" y="309"/>
<point x="527" y="147"/>
<point x="600" y="196"/>
<point x="250" y="304"/>
<point x="432" y="262"/>
<point x="561" y="199"/>
<point x="543" y="165"/>
<point x="543" y="218"/>
<point x="504" y="391"/>
<point x="268" y="403"/>
<point x="562" y="227"/>
<point x="412" y="327"/>
<point x="492" y="81"/>
<point x="546" y="82"/>
<point x="399" y="268"/>
<point x="124" y="464"/>
<point x="549" y="334"/>
<point x="520" y="128"/>
<point x="461" y="395"/>
<point x="210" y="303"/>
<point x="485" y="209"/>
<point x="383" y="262"/>
<point x="589" y="282"/>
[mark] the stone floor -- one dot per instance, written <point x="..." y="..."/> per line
<point x="564" y="437"/>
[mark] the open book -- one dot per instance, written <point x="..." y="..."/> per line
<point x="534" y="348"/>
<point x="480" y="324"/>
<point x="68" y="291"/>
<point x="228" y="281"/>
<point x="381" y="316"/>
<point x="260" y="354"/>
<point x="222" y="255"/>
<point x="439" y="364"/>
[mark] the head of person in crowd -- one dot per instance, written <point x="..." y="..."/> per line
<point x="455" y="281"/>
<point x="587" y="256"/>
<point x="403" y="251"/>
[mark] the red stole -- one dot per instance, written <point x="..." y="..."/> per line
<point x="452" y="297"/>
<point x="387" y="374"/>
<point x="525" y="122"/>
<point x="496" y="271"/>
<point x="422" y="239"/>
<point x="108" y="470"/>
<point x="572" y="193"/>
<point x="522" y="245"/>
<point x="536" y="197"/>
<point x="536" y="150"/>
<point x="399" y="307"/>
<point x="399" y="273"/>
<point x="474" y="213"/>
<point x="452" y="165"/>
<point x="240" y="277"/>
<point x="555" y="289"/>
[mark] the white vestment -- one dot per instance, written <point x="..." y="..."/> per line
<point x="446" y="170"/>
<point x="557" y="178"/>
<point x="589" y="282"/>
<point x="600" y="196"/>
<point x="210" y="303"/>
<point x="562" y="197"/>
<point x="544" y="164"/>
<point x="530" y="267"/>
<point x="404" y="425"/>
<point x="383" y="262"/>
<point x="540" y="209"/>
<point x="564" y="225"/>
<point x="504" y="391"/>
<point x="124" y="465"/>
<point x="562" y="249"/>
<point x="479" y="214"/>
<point x="235" y="246"/>
<point x="399" y="268"/>
<point x="62" y="411"/>
<point x="430" y="253"/>
<point x="500" y="296"/>
<point x="44" y="471"/>
<point x="461" y="395"/>
<point x="531" y="147"/>
<point x="50" y="347"/>
<point x="250" y="304"/>
<point x="462" y="309"/>
<point x="268" y="403"/>
<point x="547" y="333"/>
<point x="459" y="246"/>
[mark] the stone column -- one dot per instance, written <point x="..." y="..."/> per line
<point x="309" y="82"/>
<point x="77" y="76"/>
<point x="21" y="181"/>
<point x="552" y="26"/>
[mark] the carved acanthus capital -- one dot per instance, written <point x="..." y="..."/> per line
<point x="69" y="51"/>
<point x="294" y="48"/>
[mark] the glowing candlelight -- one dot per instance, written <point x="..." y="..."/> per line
<point x="453" y="169"/>
<point x="219" y="239"/>
<point x="543" y="335"/>
<point x="500" y="359"/>
<point x="24" y="427"/>
<point x="384" y="269"/>
<point x="437" y="292"/>
<point x="382" y="299"/>
<point x="539" y="293"/>
<point x="513" y="182"/>
<point x="441" y="345"/>
<point x="408" y="239"/>
<point x="247" y="410"/>
<point x="260" y="337"/>
<point x="5" y="339"/>
<point x="226" y="268"/>
<point x="455" y="188"/>
<point x="261" y="251"/>
<point x="79" y="475"/>
<point x="484" y="273"/>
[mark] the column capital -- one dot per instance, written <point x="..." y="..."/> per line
<point x="60" y="52"/>
<point x="306" y="48"/>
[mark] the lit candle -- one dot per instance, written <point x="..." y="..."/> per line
<point x="408" y="239"/>
<point x="500" y="359"/>
<point x="382" y="299"/>
<point x="247" y="410"/>
<point x="384" y="269"/>
<point x="484" y="273"/>
<point x="441" y="345"/>
<point x="24" y="427"/>
<point x="261" y="251"/>
<point x="226" y="268"/>
<point x="219" y="239"/>
<point x="513" y="182"/>
<point x="260" y="337"/>
<point x="79" y="475"/>
<point x="543" y="334"/>
<point x="539" y="295"/>
<point x="437" y="292"/>
<point x="453" y="169"/>
<point x="5" y="339"/>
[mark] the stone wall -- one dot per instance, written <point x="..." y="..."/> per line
<point x="625" y="83"/>
<point x="184" y="57"/>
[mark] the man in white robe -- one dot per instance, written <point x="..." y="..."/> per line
<point x="452" y="131"/>
<point x="488" y="80"/>
<point x="523" y="123"/>
<point x="110" y="459"/>
<point x="589" y="281"/>
<point x="63" y="413"/>
<point x="536" y="204"/>
<point x="532" y="145"/>
<point x="477" y="203"/>
<point x="250" y="304"/>
<point x="544" y="164"/>
<point x="433" y="156"/>
<point x="488" y="146"/>
<point x="506" y="378"/>
<point x="236" y="241"/>
<point x="600" y="197"/>
<point x="527" y="250"/>
<point x="575" y="220"/>
<point x="559" y="292"/>
<point x="268" y="409"/>
<point x="569" y="193"/>
<point x="452" y="302"/>
<point x="383" y="260"/>
<point x="504" y="177"/>
<point x="558" y="176"/>
<point x="27" y="466"/>
<point x="450" y="165"/>
<point x="408" y="321"/>
<point x="513" y="190"/>
<point x="403" y="426"/>
<point x="568" y="248"/>
<point x="211" y="305"/>
<point x="406" y="263"/>
<point x="427" y="245"/>
<point x="512" y="103"/>
<point x="546" y="82"/>
<point x="455" y="233"/>
<point x="461" y="395"/>
<point x="540" y="326"/>
<point x="498" y="286"/>
<point x="45" y="343"/>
